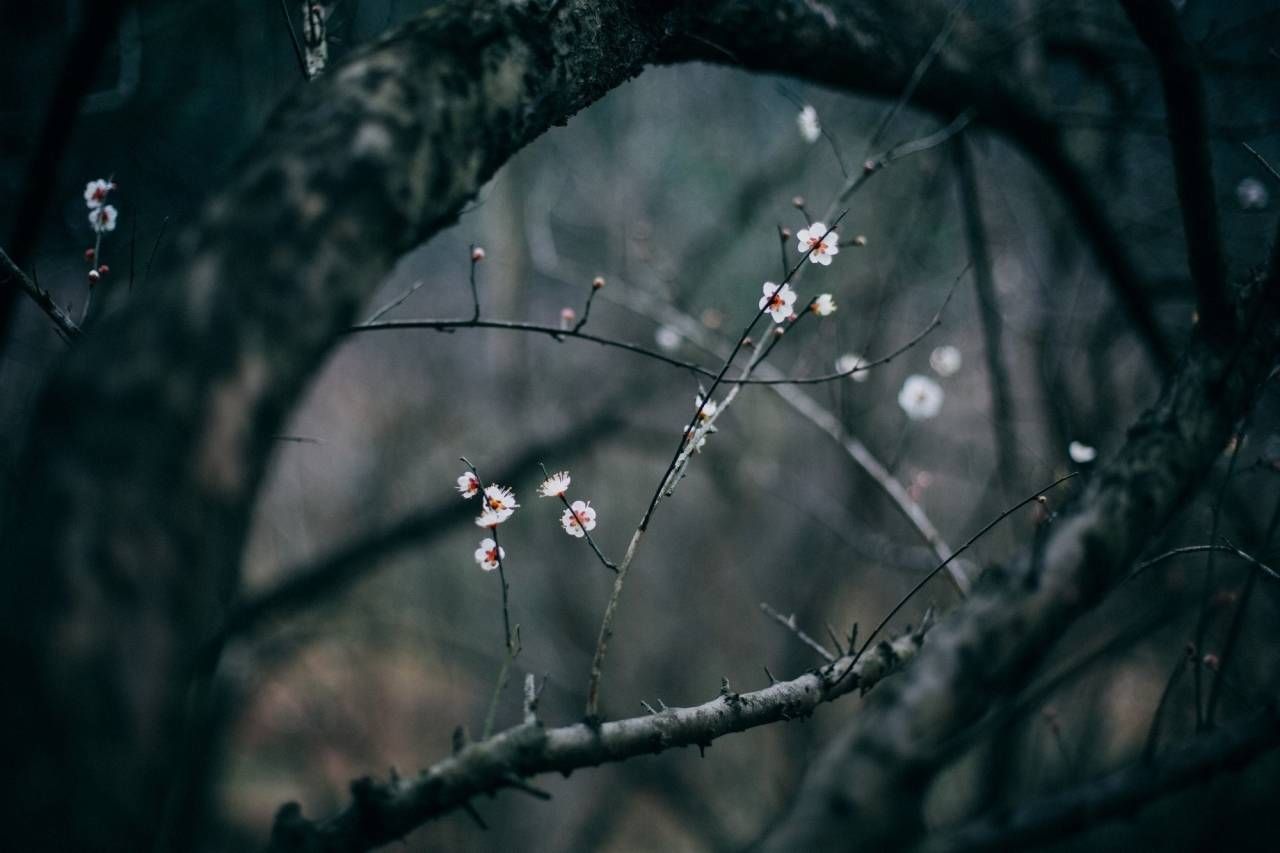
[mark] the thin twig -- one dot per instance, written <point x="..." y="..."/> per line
<point x="394" y="303"/>
<point x="789" y="622"/>
<point x="293" y="37"/>
<point x="923" y="581"/>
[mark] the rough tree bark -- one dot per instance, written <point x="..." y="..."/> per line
<point x="867" y="790"/>
<point x="154" y="433"/>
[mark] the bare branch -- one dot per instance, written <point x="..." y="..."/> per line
<point x="1156" y="23"/>
<point x="382" y="812"/>
<point x="11" y="274"/>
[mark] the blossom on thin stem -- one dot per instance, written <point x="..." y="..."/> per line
<point x="555" y="485"/>
<point x="500" y="499"/>
<point x="706" y="408"/>
<point x="468" y="484"/>
<point x="103" y="218"/>
<point x="777" y="301"/>
<point x="820" y="245"/>
<point x="824" y="305"/>
<point x="488" y="554"/>
<point x="920" y="397"/>
<point x="810" y="127"/>
<point x="95" y="192"/>
<point x="578" y="518"/>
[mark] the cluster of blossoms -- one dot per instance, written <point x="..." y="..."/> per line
<point x="102" y="218"/>
<point x="499" y="504"/>
<point x="820" y="244"/>
<point x="578" y="517"/>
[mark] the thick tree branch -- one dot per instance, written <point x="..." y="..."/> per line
<point x="1156" y="23"/>
<point x="382" y="812"/>
<point x="1057" y="816"/>
<point x="12" y="276"/>
<point x="867" y="788"/>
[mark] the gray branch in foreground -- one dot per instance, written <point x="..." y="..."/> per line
<point x="382" y="812"/>
<point x="1057" y="816"/>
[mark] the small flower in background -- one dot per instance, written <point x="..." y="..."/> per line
<point x="824" y="305"/>
<point x="488" y="554"/>
<point x="555" y="485"/>
<point x="1251" y="194"/>
<point x="468" y="485"/>
<point x="95" y="192"/>
<point x="920" y="397"/>
<point x="103" y="218"/>
<point x="945" y="360"/>
<point x="570" y="519"/>
<point x="500" y="499"/>
<point x="667" y="338"/>
<point x="706" y="408"/>
<point x="820" y="245"/>
<point x="849" y="362"/>
<point x="810" y="128"/>
<point x="1081" y="453"/>
<point x="777" y="301"/>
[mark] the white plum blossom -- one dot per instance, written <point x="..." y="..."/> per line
<point x="820" y="245"/>
<point x="667" y="338"/>
<point x="945" y="360"/>
<point x="1251" y="194"/>
<point x="706" y="408"/>
<point x="824" y="305"/>
<point x="555" y="485"/>
<point x="468" y="484"/>
<point x="920" y="397"/>
<point x="578" y="511"/>
<point x="491" y="518"/>
<point x="810" y="128"/>
<point x="95" y="192"/>
<point x="777" y="301"/>
<point x="500" y="499"/>
<point x="849" y="362"/>
<point x="1081" y="453"/>
<point x="103" y="218"/>
<point x="488" y="554"/>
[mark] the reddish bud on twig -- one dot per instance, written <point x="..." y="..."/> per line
<point x="104" y="269"/>
<point x="1211" y="662"/>
<point x="567" y="316"/>
<point x="477" y="254"/>
<point x="798" y="201"/>
<point x="597" y="282"/>
<point x="89" y="255"/>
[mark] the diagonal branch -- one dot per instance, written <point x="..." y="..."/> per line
<point x="1058" y="816"/>
<point x="1156" y="23"/>
<point x="867" y="788"/>
<point x="11" y="274"/>
<point x="383" y="812"/>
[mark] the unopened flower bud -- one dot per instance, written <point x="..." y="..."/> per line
<point x="1211" y="661"/>
<point x="103" y="269"/>
<point x="89" y="255"/>
<point x="477" y="254"/>
<point x="869" y="166"/>
<point x="798" y="201"/>
<point x="567" y="316"/>
<point x="860" y="240"/>
<point x="94" y="275"/>
<point x="597" y="282"/>
<point x="785" y="234"/>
